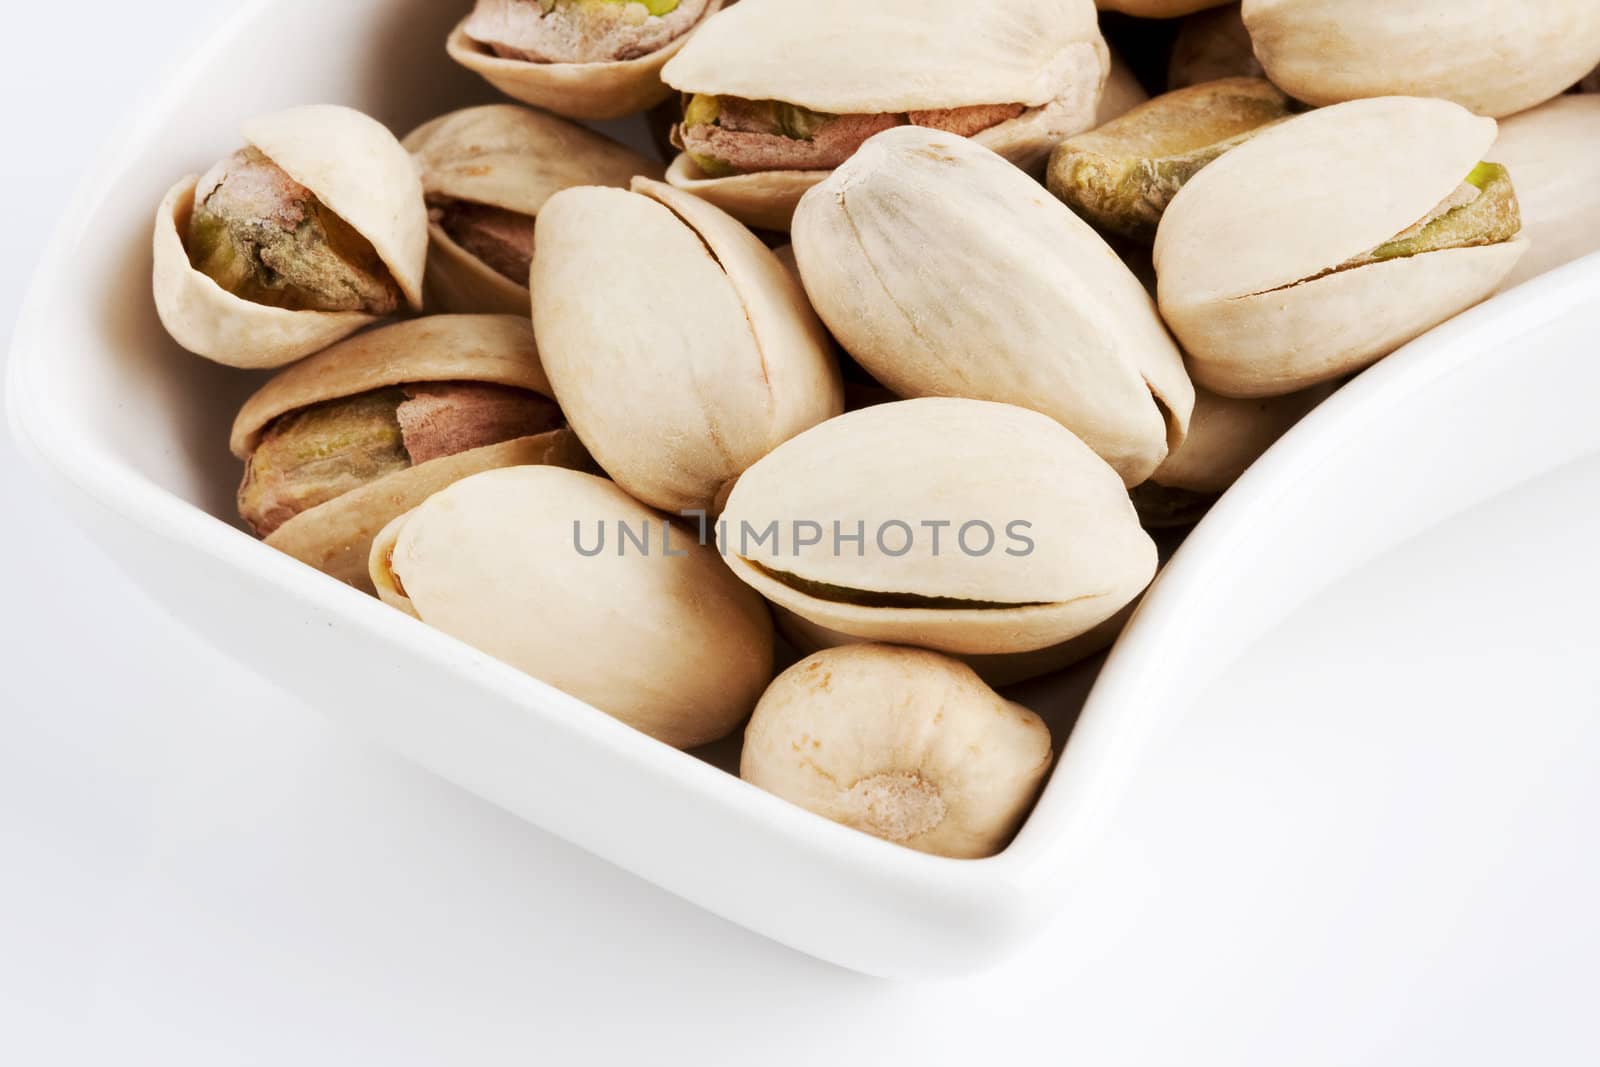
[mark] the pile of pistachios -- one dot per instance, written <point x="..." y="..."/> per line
<point x="929" y="313"/>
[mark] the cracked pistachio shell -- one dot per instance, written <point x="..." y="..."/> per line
<point x="358" y="170"/>
<point x="844" y="57"/>
<point x="1239" y="242"/>
<point x="584" y="91"/>
<point x="963" y="463"/>
<point x="510" y="157"/>
<point x="945" y="271"/>
<point x="678" y="346"/>
<point x="1494" y="57"/>
<point x="1212" y="44"/>
<point x="1553" y="154"/>
<point x="335" y="537"/>
<point x="1158" y="9"/>
<point x="670" y="644"/>
<point x="900" y="743"/>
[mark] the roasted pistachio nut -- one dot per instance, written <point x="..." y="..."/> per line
<point x="678" y="345"/>
<point x="1158" y="9"/>
<point x="312" y="231"/>
<point x="338" y="445"/>
<point x="486" y="172"/>
<point x="1494" y="57"/>
<point x="585" y="59"/>
<point x="1121" y="176"/>
<point x="780" y="93"/>
<point x="945" y="271"/>
<point x="532" y="565"/>
<point x="1331" y="239"/>
<point x="958" y="525"/>
<point x="1553" y="152"/>
<point x="1212" y="44"/>
<point x="900" y="743"/>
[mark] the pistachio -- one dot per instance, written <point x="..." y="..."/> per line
<point x="338" y="445"/>
<point x="1331" y="239"/>
<point x="1551" y="152"/>
<point x="1121" y="176"/>
<point x="668" y="642"/>
<point x="947" y="272"/>
<point x="1122" y="92"/>
<point x="781" y="93"/>
<point x="1210" y="45"/>
<point x="678" y="345"/>
<point x="585" y="59"/>
<point x="959" y="525"/>
<point x="1494" y="57"/>
<point x="903" y="744"/>
<point x="486" y="172"/>
<point x="313" y="230"/>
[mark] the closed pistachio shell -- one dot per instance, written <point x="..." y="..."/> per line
<point x="1211" y="44"/>
<point x="983" y="528"/>
<point x="1158" y="9"/>
<point x="1252" y="253"/>
<point x="357" y="169"/>
<point x="585" y="91"/>
<point x="900" y="743"/>
<point x="1494" y="57"/>
<point x="1553" y="154"/>
<point x="945" y="271"/>
<point x="513" y="158"/>
<point x="679" y="347"/>
<point x="669" y="643"/>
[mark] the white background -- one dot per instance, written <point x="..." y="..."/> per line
<point x="1314" y="870"/>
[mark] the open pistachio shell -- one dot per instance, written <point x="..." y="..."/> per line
<point x="669" y="643"/>
<point x="513" y="158"/>
<point x="1553" y="154"/>
<point x="1494" y="57"/>
<point x="1211" y="44"/>
<point x="900" y="743"/>
<point x="1158" y="9"/>
<point x="356" y="168"/>
<point x="588" y="91"/>
<point x="679" y="347"/>
<point x="1253" y="254"/>
<point x="945" y="271"/>
<point x="335" y="536"/>
<point x="958" y="525"/>
<point x="842" y="57"/>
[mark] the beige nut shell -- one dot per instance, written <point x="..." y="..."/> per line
<point x="1239" y="242"/>
<point x="1553" y="154"/>
<point x="585" y="91"/>
<point x="360" y="172"/>
<point x="672" y="644"/>
<point x="511" y="157"/>
<point x="903" y="744"/>
<point x="954" y="461"/>
<point x="947" y="272"/>
<point x="678" y="346"/>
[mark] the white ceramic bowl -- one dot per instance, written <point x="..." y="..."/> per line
<point x="131" y="433"/>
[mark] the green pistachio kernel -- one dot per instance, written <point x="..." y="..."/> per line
<point x="1489" y="218"/>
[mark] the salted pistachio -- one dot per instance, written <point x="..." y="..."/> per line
<point x="1210" y="45"/>
<point x="338" y="445"/>
<point x="313" y="230"/>
<point x="585" y="59"/>
<point x="957" y="525"/>
<point x="945" y="271"/>
<point x="486" y="171"/>
<point x="1328" y="241"/>
<point x="1121" y="176"/>
<point x="781" y="93"/>
<point x="1494" y="57"/>
<point x="1554" y="153"/>
<point x="678" y="345"/>
<point x="1157" y="9"/>
<point x="535" y="567"/>
<point x="907" y="745"/>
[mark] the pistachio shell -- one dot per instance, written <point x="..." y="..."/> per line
<point x="510" y="157"/>
<point x="679" y="347"/>
<point x="669" y="644"/>
<point x="1122" y="92"/>
<point x="357" y="169"/>
<point x="1495" y="57"/>
<point x="900" y="743"/>
<point x="1158" y="9"/>
<point x="587" y="91"/>
<point x="1227" y="435"/>
<point x="1244" y="250"/>
<point x="962" y="463"/>
<point x="1553" y="154"/>
<point x="947" y="272"/>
